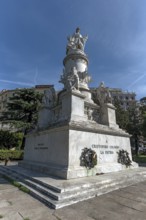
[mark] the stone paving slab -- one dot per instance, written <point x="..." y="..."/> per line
<point x="128" y="204"/>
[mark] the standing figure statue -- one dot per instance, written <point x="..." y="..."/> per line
<point x="76" y="41"/>
<point x="103" y="94"/>
<point x="75" y="78"/>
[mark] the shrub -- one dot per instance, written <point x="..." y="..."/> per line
<point x="10" y="140"/>
<point x="11" y="154"/>
<point x="19" y="137"/>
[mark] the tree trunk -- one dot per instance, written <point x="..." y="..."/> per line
<point x="136" y="146"/>
<point x="23" y="140"/>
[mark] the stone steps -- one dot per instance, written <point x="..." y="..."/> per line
<point x="31" y="184"/>
<point x="27" y="175"/>
<point x="67" y="192"/>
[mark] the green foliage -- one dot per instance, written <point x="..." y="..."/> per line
<point x="17" y="184"/>
<point x="143" y="100"/>
<point x="10" y="202"/>
<point x="24" y="189"/>
<point x="22" y="109"/>
<point x="129" y="119"/>
<point x="19" y="136"/>
<point x="11" y="154"/>
<point x="122" y="116"/>
<point x="10" y="140"/>
<point x="139" y="158"/>
<point x="1" y="216"/>
<point x="144" y="127"/>
<point x="134" y="125"/>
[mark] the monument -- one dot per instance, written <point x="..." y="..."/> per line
<point x="76" y="137"/>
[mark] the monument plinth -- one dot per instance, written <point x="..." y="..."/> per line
<point x="70" y="123"/>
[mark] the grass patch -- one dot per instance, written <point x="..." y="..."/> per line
<point x="24" y="189"/>
<point x="18" y="185"/>
<point x="139" y="158"/>
<point x="15" y="183"/>
<point x="26" y="219"/>
<point x="11" y="154"/>
<point x="1" y="216"/>
<point x="10" y="202"/>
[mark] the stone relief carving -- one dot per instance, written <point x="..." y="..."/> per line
<point x="92" y="114"/>
<point x="84" y="77"/>
<point x="57" y="114"/>
<point x="49" y="98"/>
<point x="76" y="41"/>
<point x="46" y="114"/>
<point x="96" y="115"/>
<point x="70" y="80"/>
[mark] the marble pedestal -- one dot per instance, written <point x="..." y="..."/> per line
<point x="57" y="151"/>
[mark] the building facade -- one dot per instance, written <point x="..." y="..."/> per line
<point x="125" y="98"/>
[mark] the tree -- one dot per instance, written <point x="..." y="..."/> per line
<point x="22" y="110"/>
<point x="143" y="113"/>
<point x="144" y="127"/>
<point x="122" y="116"/>
<point x="7" y="140"/>
<point x="134" y="127"/>
<point x="143" y="100"/>
<point x="131" y="121"/>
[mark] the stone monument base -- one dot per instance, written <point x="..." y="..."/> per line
<point x="57" y="151"/>
<point x="75" y="172"/>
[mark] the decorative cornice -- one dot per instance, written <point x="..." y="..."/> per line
<point x="85" y="126"/>
<point x="75" y="56"/>
<point x="97" y="128"/>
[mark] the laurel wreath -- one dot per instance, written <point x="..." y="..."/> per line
<point x="88" y="158"/>
<point x="123" y="158"/>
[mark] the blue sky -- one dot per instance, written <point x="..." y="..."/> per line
<point x="33" y="40"/>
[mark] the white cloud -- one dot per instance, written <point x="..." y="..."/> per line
<point x="16" y="83"/>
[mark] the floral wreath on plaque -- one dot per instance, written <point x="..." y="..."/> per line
<point x="88" y="158"/>
<point x="123" y="158"/>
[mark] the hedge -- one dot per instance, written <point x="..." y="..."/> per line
<point x="11" y="154"/>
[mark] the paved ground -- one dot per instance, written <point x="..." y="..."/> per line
<point x="128" y="204"/>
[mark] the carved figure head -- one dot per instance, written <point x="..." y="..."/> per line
<point x="102" y="84"/>
<point x="77" y="30"/>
